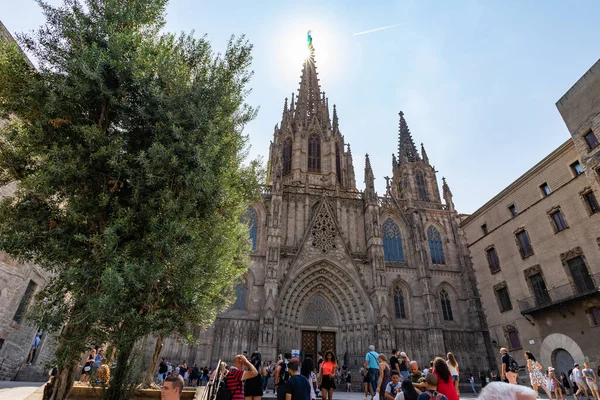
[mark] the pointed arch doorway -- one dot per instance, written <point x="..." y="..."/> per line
<point x="319" y="328"/>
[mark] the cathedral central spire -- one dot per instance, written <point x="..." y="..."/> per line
<point x="310" y="102"/>
<point x="407" y="151"/>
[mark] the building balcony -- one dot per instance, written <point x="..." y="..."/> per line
<point x="561" y="295"/>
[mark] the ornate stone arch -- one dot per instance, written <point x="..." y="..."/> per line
<point x="338" y="284"/>
<point x="557" y="341"/>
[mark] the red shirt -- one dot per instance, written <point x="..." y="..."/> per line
<point x="235" y="384"/>
<point x="446" y="388"/>
<point x="328" y="368"/>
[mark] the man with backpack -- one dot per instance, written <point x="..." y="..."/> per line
<point x="232" y="387"/>
<point x="282" y="376"/>
<point x="510" y="368"/>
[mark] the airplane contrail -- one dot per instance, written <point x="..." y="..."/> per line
<point x="375" y="30"/>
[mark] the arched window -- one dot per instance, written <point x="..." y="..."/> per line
<point x="392" y="241"/>
<point x="287" y="156"/>
<point x="399" y="303"/>
<point x="338" y="163"/>
<point x="252" y="220"/>
<point x="446" y="306"/>
<point x="241" y="292"/>
<point x="421" y="188"/>
<point x="314" y="153"/>
<point x="435" y="246"/>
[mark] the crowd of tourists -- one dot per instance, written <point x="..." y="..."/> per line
<point x="582" y="383"/>
<point x="394" y="378"/>
<point x="192" y="375"/>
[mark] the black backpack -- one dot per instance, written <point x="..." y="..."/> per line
<point x="512" y="365"/>
<point x="284" y="375"/>
<point x="223" y="393"/>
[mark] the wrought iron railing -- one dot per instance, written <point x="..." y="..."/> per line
<point x="560" y="294"/>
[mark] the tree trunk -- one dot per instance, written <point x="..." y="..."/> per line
<point x="149" y="378"/>
<point x="119" y="388"/>
<point x="62" y="383"/>
<point x="68" y="352"/>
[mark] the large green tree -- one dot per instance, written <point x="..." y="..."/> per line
<point x="127" y="148"/>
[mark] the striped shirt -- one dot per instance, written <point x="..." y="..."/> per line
<point x="234" y="383"/>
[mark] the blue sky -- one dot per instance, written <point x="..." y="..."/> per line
<point x="477" y="80"/>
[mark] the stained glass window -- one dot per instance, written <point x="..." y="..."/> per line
<point x="241" y="292"/>
<point x="435" y="246"/>
<point x="252" y="220"/>
<point x="399" y="303"/>
<point x="446" y="306"/>
<point x="392" y="241"/>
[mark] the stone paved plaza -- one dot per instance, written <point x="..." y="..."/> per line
<point x="33" y="391"/>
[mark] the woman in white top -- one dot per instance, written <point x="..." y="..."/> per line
<point x="453" y="367"/>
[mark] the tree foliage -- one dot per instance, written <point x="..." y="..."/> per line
<point x="128" y="150"/>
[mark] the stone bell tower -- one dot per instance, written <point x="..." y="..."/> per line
<point x="413" y="176"/>
<point x="308" y="145"/>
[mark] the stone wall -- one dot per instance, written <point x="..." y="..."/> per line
<point x="551" y="249"/>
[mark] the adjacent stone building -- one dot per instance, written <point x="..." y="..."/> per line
<point x="336" y="268"/>
<point x="536" y="245"/>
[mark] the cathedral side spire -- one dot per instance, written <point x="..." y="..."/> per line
<point x="336" y="124"/>
<point x="424" y="154"/>
<point x="369" y="180"/>
<point x="407" y="152"/>
<point x="447" y="195"/>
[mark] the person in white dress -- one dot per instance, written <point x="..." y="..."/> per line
<point x="535" y="376"/>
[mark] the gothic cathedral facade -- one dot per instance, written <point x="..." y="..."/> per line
<point x="336" y="268"/>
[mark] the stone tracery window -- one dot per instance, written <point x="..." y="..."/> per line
<point x="392" y="242"/>
<point x="323" y="231"/>
<point x="241" y="292"/>
<point x="287" y="156"/>
<point x="314" y="153"/>
<point x="435" y="246"/>
<point x="318" y="312"/>
<point x="251" y="219"/>
<point x="399" y="308"/>
<point x="446" y="306"/>
<point x="421" y="188"/>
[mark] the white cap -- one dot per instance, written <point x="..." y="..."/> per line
<point x="371" y="347"/>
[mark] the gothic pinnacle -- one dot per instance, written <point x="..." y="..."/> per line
<point x="369" y="179"/>
<point x="336" y="126"/>
<point x="424" y="154"/>
<point x="406" y="146"/>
